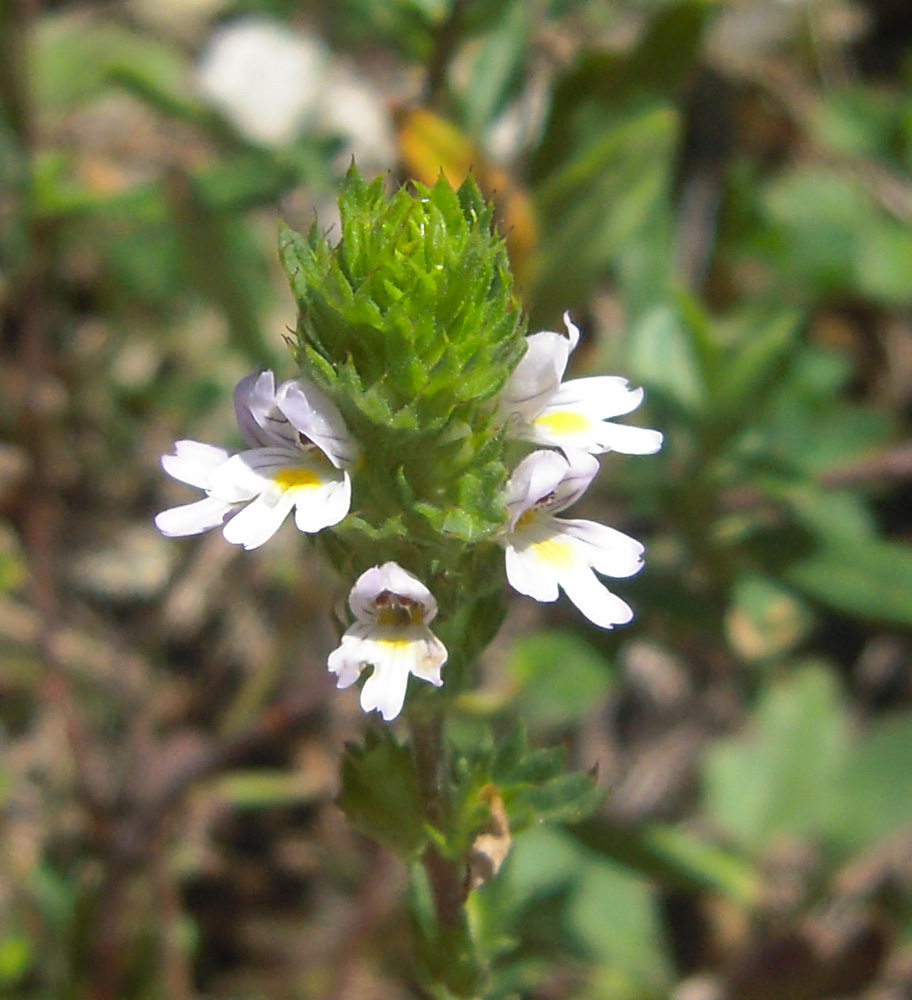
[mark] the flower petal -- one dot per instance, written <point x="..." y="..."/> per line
<point x="581" y="470"/>
<point x="600" y="396"/>
<point x="536" y="476"/>
<point x="393" y="578"/>
<point x="260" y="421"/>
<point x="347" y="660"/>
<point x="546" y="553"/>
<point x="385" y="689"/>
<point x="393" y="643"/>
<point x="249" y="473"/>
<point x="316" y="509"/>
<point x="537" y="376"/>
<point x="576" y="418"/>
<point x="193" y="461"/>
<point x="315" y="416"/>
<point x="260" y="520"/>
<point x="193" y="518"/>
<point x="607" y="550"/>
<point x="419" y="653"/>
<point x="630" y="440"/>
<point x="431" y="657"/>
<point x="595" y="600"/>
<point x="528" y="575"/>
<point x="573" y="333"/>
<point x="249" y="394"/>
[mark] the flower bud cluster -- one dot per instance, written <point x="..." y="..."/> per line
<point x="417" y="384"/>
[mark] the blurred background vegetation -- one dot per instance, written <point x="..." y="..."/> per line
<point x="721" y="193"/>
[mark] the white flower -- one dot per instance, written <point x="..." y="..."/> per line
<point x="392" y="609"/>
<point x="299" y="449"/>
<point x="264" y="77"/>
<point x="571" y="415"/>
<point x="545" y="553"/>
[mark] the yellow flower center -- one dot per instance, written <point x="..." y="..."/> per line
<point x="562" y="422"/>
<point x="393" y="643"/>
<point x="296" y="479"/>
<point x="555" y="552"/>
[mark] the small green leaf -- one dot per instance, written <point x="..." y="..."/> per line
<point x="496" y="66"/>
<point x="606" y="190"/>
<point x="567" y="798"/>
<point x="873" y="791"/>
<point x="661" y="356"/>
<point x="871" y="579"/>
<point x="560" y="677"/>
<point x="17" y="956"/>
<point x="883" y="262"/>
<point x="820" y="215"/>
<point x="542" y="859"/>
<point x="778" y="777"/>
<point x="763" y="346"/>
<point x="674" y="857"/>
<point x="266" y="789"/>
<point x="380" y="794"/>
<point x="614" y="914"/>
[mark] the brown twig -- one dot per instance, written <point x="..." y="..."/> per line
<point x="891" y="465"/>
<point x="446" y="40"/>
<point x="378" y="897"/>
<point x="134" y="843"/>
<point x="40" y="514"/>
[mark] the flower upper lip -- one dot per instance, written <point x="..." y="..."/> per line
<point x="537" y="406"/>
<point x="552" y="480"/>
<point x="295" y="414"/>
<point x="311" y="412"/>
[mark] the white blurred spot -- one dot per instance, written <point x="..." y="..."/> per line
<point x="266" y="79"/>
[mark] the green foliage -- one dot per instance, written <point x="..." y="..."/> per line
<point x="675" y="858"/>
<point x="559" y="677"/>
<point x="602" y="174"/>
<point x="865" y="577"/>
<point x="531" y="782"/>
<point x="780" y="778"/>
<point x="16" y="957"/>
<point x="494" y="73"/>
<point x="729" y="225"/>
<point x="869" y="809"/>
<point x="609" y="188"/>
<point x="74" y="57"/>
<point x="410" y="324"/>
<point x="603" y="912"/>
<point x="802" y="771"/>
<point x="380" y="795"/>
<point x="411" y="308"/>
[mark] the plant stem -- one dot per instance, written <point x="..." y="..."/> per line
<point x="446" y="876"/>
<point x="450" y="956"/>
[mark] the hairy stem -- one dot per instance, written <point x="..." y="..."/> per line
<point x="450" y="957"/>
<point x="446" y="876"/>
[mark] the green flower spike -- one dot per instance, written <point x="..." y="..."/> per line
<point x="409" y="323"/>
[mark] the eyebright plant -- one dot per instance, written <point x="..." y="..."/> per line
<point x="426" y="444"/>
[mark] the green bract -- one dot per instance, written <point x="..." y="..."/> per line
<point x="409" y="322"/>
